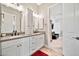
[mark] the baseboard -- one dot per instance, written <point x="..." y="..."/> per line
<point x="46" y="46"/>
<point x="37" y="49"/>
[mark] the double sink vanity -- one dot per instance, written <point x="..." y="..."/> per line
<point x="21" y="45"/>
<point x="23" y="42"/>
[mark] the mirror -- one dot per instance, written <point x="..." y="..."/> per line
<point x="35" y="22"/>
<point x="38" y="22"/>
<point x="10" y="19"/>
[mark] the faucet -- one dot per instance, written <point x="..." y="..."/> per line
<point x="14" y="32"/>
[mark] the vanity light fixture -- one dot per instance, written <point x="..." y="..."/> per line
<point x="20" y="8"/>
<point x="38" y="4"/>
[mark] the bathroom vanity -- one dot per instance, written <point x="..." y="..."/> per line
<point x="22" y="45"/>
<point x="16" y="33"/>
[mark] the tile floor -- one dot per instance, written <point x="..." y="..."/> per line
<point x="56" y="49"/>
<point x="51" y="52"/>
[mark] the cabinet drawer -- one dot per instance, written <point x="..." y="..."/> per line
<point x="8" y="43"/>
<point x="41" y="36"/>
<point x="24" y="39"/>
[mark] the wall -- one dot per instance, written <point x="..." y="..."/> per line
<point x="56" y="17"/>
<point x="0" y="18"/>
<point x="44" y="10"/>
<point x="0" y="30"/>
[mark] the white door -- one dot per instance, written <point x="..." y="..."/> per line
<point x="70" y="29"/>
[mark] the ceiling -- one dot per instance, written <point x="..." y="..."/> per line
<point x="38" y="4"/>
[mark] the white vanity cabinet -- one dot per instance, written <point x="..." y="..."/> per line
<point x="9" y="48"/>
<point x="22" y="47"/>
<point x="36" y="42"/>
<point x="10" y="51"/>
<point x="18" y="47"/>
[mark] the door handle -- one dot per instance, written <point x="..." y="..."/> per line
<point x="77" y="38"/>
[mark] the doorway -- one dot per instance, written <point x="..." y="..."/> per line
<point x="56" y="16"/>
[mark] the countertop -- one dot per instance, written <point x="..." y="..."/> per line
<point x="7" y="38"/>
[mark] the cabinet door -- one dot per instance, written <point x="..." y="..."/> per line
<point x="40" y="40"/>
<point x="24" y="47"/>
<point x="11" y="48"/>
<point x="32" y="44"/>
<point x="10" y="51"/>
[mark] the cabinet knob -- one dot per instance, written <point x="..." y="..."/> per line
<point x="32" y="42"/>
<point x="20" y="44"/>
<point x="17" y="45"/>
